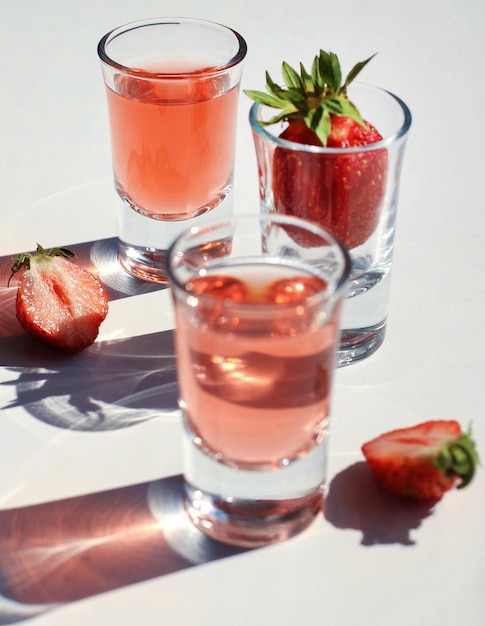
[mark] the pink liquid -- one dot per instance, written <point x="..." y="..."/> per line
<point x="172" y="143"/>
<point x="255" y="380"/>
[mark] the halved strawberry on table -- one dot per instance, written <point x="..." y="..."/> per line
<point x="57" y="300"/>
<point x="424" y="461"/>
<point x="340" y="192"/>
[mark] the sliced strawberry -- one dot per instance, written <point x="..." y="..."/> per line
<point x="423" y="461"/>
<point x="341" y="192"/>
<point x="58" y="301"/>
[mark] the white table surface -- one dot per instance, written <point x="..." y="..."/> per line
<point x="67" y="427"/>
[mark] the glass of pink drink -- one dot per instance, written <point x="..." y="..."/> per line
<point x="257" y="304"/>
<point x="172" y="88"/>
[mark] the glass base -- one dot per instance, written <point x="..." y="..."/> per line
<point x="251" y="508"/>
<point x="364" y="313"/>
<point x="250" y="523"/>
<point x="360" y="343"/>
<point x="143" y="263"/>
<point x="143" y="242"/>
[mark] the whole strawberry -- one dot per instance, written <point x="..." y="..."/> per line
<point x="341" y="192"/>
<point x="424" y="461"/>
<point x="58" y="301"/>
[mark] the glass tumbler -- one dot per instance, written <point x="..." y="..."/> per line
<point x="353" y="193"/>
<point x="257" y="324"/>
<point x="172" y="88"/>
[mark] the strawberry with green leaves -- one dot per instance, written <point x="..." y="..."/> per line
<point x="58" y="301"/>
<point x="341" y="192"/>
<point x="424" y="461"/>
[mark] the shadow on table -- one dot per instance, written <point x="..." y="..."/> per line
<point x="113" y="384"/>
<point x="355" y="501"/>
<point x="63" y="551"/>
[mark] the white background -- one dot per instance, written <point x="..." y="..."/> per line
<point x="56" y="188"/>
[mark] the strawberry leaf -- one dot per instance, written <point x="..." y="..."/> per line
<point x="350" y="110"/>
<point x="266" y="99"/>
<point x="317" y="78"/>
<point x="336" y="105"/>
<point x="283" y="115"/>
<point x="297" y="99"/>
<point x="330" y="70"/>
<point x="292" y="78"/>
<point x="313" y="118"/>
<point x="313" y="97"/>
<point x="272" y="87"/>
<point x="355" y="71"/>
<point x="462" y="459"/>
<point x="306" y="79"/>
<point x="318" y="120"/>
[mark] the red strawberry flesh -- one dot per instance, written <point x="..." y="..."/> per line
<point x="340" y="192"/>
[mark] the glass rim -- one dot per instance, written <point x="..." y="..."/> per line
<point x="129" y="26"/>
<point x="340" y="282"/>
<point x="260" y="129"/>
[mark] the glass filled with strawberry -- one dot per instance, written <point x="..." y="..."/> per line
<point x="332" y="154"/>
<point x="257" y="316"/>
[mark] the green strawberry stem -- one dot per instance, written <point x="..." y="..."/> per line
<point x="23" y="261"/>
<point x="459" y="458"/>
<point x="312" y="96"/>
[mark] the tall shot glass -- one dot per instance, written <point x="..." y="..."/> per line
<point x="172" y="88"/>
<point x="257" y="323"/>
<point x="327" y="188"/>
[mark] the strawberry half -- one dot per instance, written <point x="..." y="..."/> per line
<point x="341" y="192"/>
<point x="423" y="461"/>
<point x="58" y="301"/>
